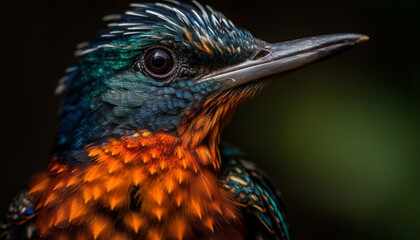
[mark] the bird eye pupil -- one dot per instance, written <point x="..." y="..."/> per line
<point x="158" y="62"/>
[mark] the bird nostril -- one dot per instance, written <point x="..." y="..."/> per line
<point x="261" y="54"/>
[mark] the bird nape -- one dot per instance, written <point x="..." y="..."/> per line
<point x="137" y="152"/>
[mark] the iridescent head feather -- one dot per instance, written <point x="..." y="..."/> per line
<point x="175" y="68"/>
<point x="108" y="93"/>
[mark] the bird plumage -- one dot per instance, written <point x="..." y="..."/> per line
<point x="145" y="185"/>
<point x="130" y="159"/>
<point x="137" y="152"/>
<point x="105" y="95"/>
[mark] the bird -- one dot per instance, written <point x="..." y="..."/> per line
<point x="138" y="154"/>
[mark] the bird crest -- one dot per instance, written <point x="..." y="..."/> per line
<point x="195" y="26"/>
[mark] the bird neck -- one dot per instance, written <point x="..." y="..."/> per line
<point x="203" y="124"/>
<point x="157" y="151"/>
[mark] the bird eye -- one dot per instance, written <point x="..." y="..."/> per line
<point x="159" y="62"/>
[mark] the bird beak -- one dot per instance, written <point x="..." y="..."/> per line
<point x="277" y="58"/>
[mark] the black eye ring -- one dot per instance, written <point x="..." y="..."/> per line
<point x="159" y="63"/>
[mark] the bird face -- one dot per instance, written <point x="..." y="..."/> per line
<point x="176" y="68"/>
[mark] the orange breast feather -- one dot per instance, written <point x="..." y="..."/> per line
<point x="144" y="186"/>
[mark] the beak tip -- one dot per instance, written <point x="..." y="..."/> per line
<point x="362" y="39"/>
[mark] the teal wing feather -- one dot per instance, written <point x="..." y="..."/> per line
<point x="18" y="220"/>
<point x="254" y="191"/>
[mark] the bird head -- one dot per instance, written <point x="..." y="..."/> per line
<point x="175" y="68"/>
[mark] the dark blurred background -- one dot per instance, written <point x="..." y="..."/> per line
<point x="341" y="137"/>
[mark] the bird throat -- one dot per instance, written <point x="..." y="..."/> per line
<point x="143" y="186"/>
